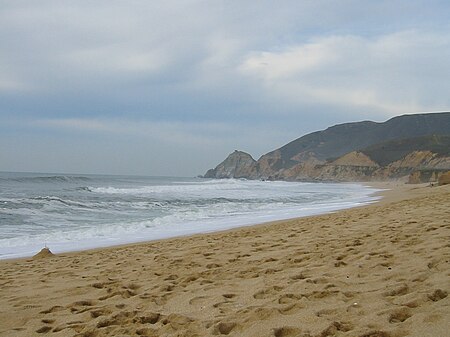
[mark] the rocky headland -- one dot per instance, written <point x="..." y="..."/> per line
<point x="409" y="147"/>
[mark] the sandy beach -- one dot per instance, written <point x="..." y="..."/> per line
<point x="381" y="270"/>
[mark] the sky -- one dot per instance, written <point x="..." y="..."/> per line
<point x="170" y="88"/>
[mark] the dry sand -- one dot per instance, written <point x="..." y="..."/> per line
<point x="381" y="270"/>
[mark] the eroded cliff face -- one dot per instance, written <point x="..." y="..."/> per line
<point x="359" y="167"/>
<point x="354" y="166"/>
<point x="429" y="176"/>
<point x="273" y="166"/>
<point x="355" y="158"/>
<point x="444" y="179"/>
<point x="269" y="164"/>
<point x="237" y="165"/>
<point x="422" y="159"/>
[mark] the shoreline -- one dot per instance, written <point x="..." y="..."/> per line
<point x="388" y="192"/>
<point x="385" y="195"/>
<point x="375" y="270"/>
<point x="225" y="224"/>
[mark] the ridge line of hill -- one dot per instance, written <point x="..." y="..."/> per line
<point x="356" y="151"/>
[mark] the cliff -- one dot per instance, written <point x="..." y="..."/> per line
<point x="237" y="165"/>
<point x="442" y="177"/>
<point x="352" y="151"/>
<point x="341" y="139"/>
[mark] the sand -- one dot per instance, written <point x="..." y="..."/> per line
<point x="380" y="270"/>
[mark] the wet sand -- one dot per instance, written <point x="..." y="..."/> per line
<point x="380" y="270"/>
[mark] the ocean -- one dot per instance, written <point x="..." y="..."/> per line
<point x="76" y="212"/>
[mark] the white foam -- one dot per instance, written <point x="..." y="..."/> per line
<point x="240" y="203"/>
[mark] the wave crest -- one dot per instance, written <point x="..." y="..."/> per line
<point x="49" y="179"/>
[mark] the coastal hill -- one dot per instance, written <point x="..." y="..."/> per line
<point x="352" y="151"/>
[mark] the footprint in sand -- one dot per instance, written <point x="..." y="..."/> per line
<point x="397" y="291"/>
<point x="334" y="328"/>
<point x="148" y="318"/>
<point x="120" y="318"/>
<point x="52" y="309"/>
<point x="224" y="328"/>
<point x="437" y="295"/>
<point x="44" y="329"/>
<point x="100" y="312"/>
<point x="399" y="315"/>
<point x="286" y="331"/>
<point x="265" y="293"/>
<point x="81" y="306"/>
<point x="199" y="300"/>
<point x="288" y="298"/>
<point x="177" y="321"/>
<point x="148" y="332"/>
<point x="292" y="309"/>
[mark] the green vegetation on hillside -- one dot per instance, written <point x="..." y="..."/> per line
<point x="387" y="152"/>
<point x="344" y="138"/>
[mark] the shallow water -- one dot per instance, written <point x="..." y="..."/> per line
<point x="73" y="212"/>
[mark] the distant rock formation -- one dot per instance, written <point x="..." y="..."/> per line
<point x="357" y="166"/>
<point x="360" y="151"/>
<point x="237" y="165"/>
<point x="354" y="158"/>
<point x="426" y="176"/>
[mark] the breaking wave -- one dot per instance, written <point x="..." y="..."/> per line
<point x="72" y="212"/>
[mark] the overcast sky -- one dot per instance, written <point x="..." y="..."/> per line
<point x="171" y="87"/>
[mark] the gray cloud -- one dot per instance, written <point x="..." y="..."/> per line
<point x="195" y="79"/>
<point x="390" y="73"/>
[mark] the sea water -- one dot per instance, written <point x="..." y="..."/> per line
<point x="75" y="212"/>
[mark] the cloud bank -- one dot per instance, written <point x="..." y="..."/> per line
<point x="161" y="81"/>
